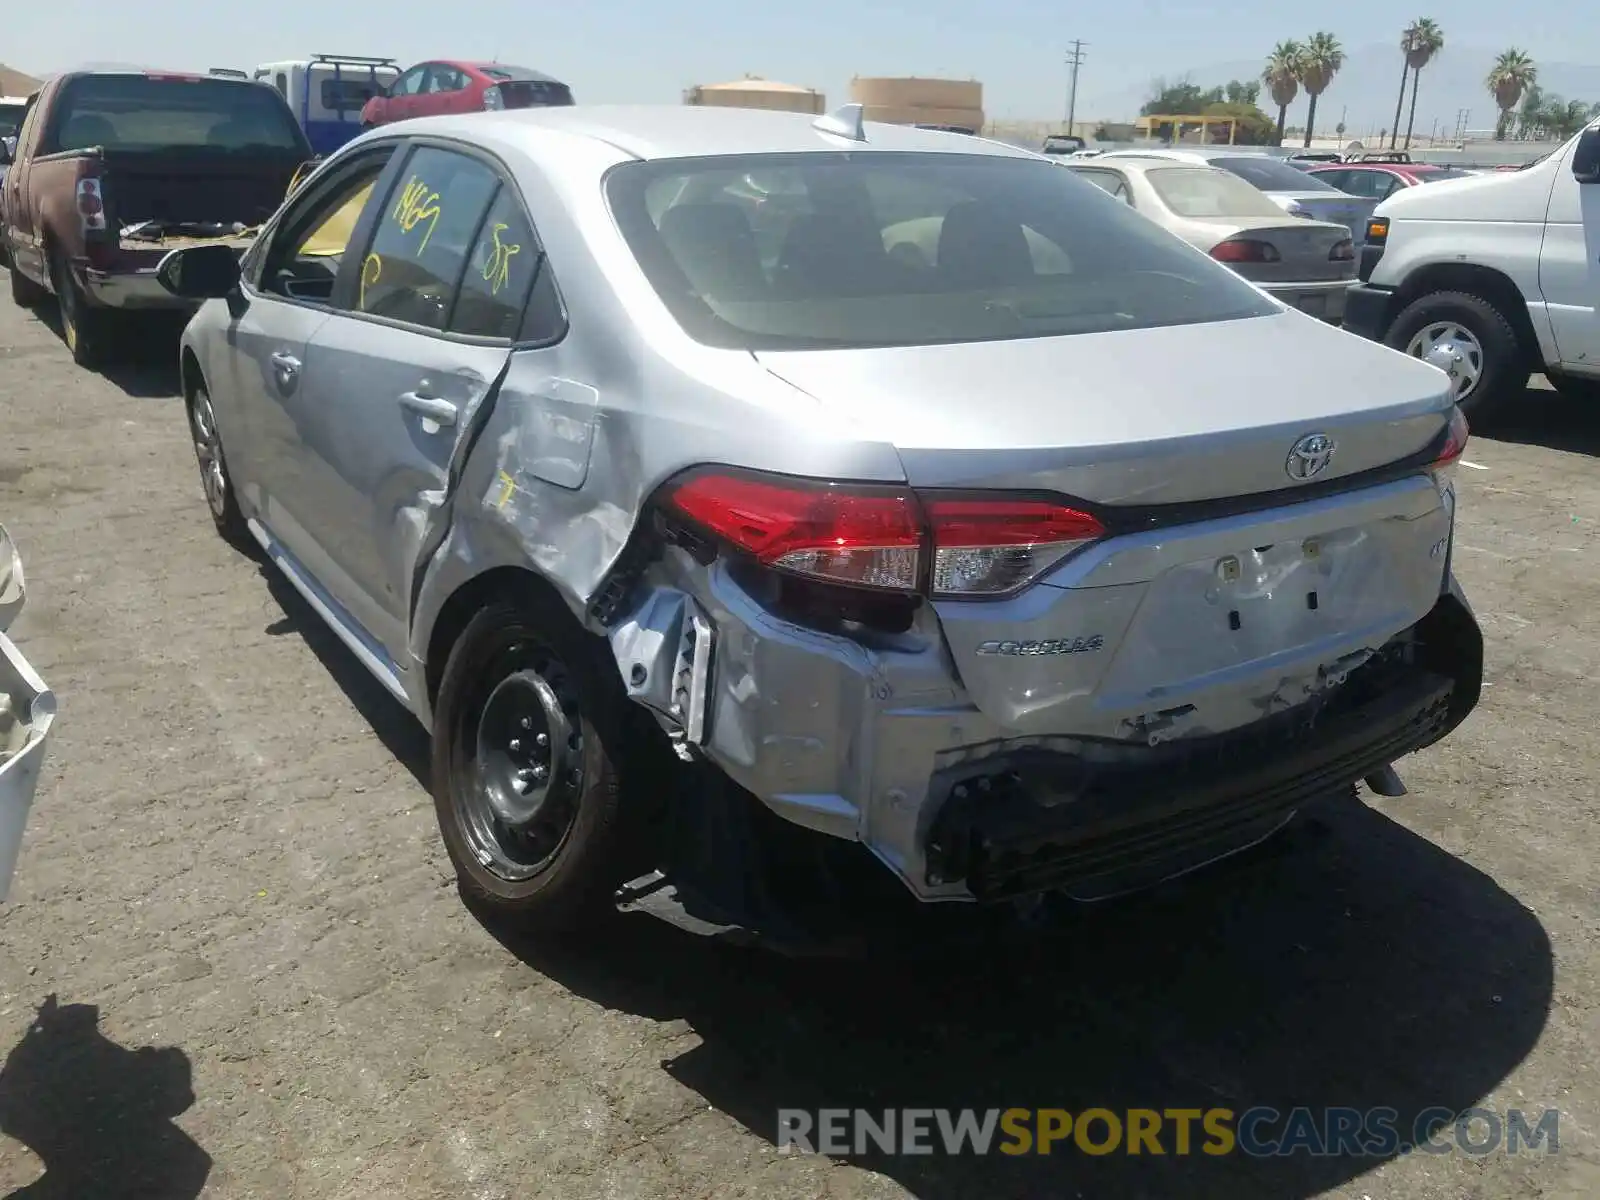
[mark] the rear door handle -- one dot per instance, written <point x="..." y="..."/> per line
<point x="285" y="367"/>
<point x="440" y="412"/>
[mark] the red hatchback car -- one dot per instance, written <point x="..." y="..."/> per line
<point x="1379" y="180"/>
<point x="432" y="89"/>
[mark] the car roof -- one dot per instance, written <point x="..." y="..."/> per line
<point x="521" y="73"/>
<point x="1149" y="162"/>
<point x="685" y="131"/>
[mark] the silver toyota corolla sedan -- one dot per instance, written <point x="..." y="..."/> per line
<point x="741" y="545"/>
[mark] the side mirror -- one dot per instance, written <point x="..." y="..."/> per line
<point x="1586" y="156"/>
<point x="200" y="272"/>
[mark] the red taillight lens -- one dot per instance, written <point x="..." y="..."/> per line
<point x="991" y="546"/>
<point x="91" y="204"/>
<point x="1245" y="250"/>
<point x="1455" y="445"/>
<point x="875" y="536"/>
<point x="1343" y="251"/>
<point x="860" y="536"/>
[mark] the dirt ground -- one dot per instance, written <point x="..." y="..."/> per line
<point x="257" y="978"/>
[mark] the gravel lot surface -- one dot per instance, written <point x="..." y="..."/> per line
<point x="266" y="984"/>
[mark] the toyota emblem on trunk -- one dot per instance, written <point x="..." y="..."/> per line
<point x="1310" y="456"/>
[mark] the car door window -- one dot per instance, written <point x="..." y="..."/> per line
<point x="425" y="237"/>
<point x="411" y="82"/>
<point x="446" y="79"/>
<point x="309" y="244"/>
<point x="1338" y="179"/>
<point x="505" y="261"/>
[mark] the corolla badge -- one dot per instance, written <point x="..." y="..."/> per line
<point x="1310" y="456"/>
<point x="1047" y="646"/>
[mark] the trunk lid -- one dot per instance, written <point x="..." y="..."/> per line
<point x="1216" y="617"/>
<point x="1303" y="248"/>
<point x="1340" y="209"/>
<point x="1131" y="417"/>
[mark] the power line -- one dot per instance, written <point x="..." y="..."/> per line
<point x="1074" y="60"/>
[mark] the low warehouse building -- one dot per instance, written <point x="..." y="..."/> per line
<point x="952" y="103"/>
<point x="754" y="92"/>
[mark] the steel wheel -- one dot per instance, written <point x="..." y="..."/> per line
<point x="1454" y="350"/>
<point x="527" y="770"/>
<point x="208" y="452"/>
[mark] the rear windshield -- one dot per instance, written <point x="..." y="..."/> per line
<point x="832" y="250"/>
<point x="1438" y="173"/>
<point x="11" y="118"/>
<point x="1270" y="175"/>
<point x="141" y="113"/>
<point x="1203" y="192"/>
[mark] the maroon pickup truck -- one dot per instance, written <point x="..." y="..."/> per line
<point x="113" y="169"/>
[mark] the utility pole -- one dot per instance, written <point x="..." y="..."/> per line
<point x="1074" y="60"/>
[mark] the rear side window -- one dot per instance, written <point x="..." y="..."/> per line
<point x="346" y="94"/>
<point x="874" y="249"/>
<point x="503" y="264"/>
<point x="145" y="113"/>
<point x="425" y="238"/>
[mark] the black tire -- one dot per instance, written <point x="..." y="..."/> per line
<point x="215" y="481"/>
<point x="1505" y="367"/>
<point x="25" y="293"/>
<point x="557" y="871"/>
<point x="84" y="327"/>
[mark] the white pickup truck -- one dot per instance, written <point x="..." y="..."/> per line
<point x="1492" y="278"/>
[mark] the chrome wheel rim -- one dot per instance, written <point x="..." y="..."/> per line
<point x="208" y="452"/>
<point x="522" y="799"/>
<point x="1451" y="348"/>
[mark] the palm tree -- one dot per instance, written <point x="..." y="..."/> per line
<point x="1512" y="74"/>
<point x="1318" y="65"/>
<point x="1282" y="77"/>
<point x="1423" y="41"/>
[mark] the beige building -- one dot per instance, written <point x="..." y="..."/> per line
<point x="914" y="101"/>
<point x="754" y="92"/>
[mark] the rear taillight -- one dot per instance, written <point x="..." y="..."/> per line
<point x="1344" y="251"/>
<point x="493" y="100"/>
<point x="1455" y="445"/>
<point x="989" y="546"/>
<point x="860" y="536"/>
<point x="91" y="201"/>
<point x="885" y="537"/>
<point x="1245" y="250"/>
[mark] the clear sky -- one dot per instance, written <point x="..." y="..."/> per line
<point x="648" y="51"/>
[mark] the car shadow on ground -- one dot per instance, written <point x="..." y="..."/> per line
<point x="1352" y="964"/>
<point x="99" y="1116"/>
<point x="1543" y="417"/>
<point x="143" y="359"/>
<point x="394" y="725"/>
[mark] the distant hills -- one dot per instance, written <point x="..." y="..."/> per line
<point x="1366" y="89"/>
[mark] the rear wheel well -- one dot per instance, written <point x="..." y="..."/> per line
<point x="190" y="376"/>
<point x="1491" y="285"/>
<point x="501" y="583"/>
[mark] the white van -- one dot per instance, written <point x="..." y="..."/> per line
<point x="1492" y="278"/>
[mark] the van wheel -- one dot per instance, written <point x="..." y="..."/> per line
<point x="82" y="326"/>
<point x="526" y="745"/>
<point x="1469" y="338"/>
<point x="25" y="293"/>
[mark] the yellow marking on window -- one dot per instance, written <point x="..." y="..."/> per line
<point x="371" y="272"/>
<point x="508" y="485"/>
<point x="497" y="271"/>
<point x="417" y="203"/>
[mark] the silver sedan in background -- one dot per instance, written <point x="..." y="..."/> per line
<point x="1294" y="191"/>
<point x="1308" y="265"/>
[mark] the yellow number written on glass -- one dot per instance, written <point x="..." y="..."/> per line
<point x="497" y="270"/>
<point x="417" y="203"/>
